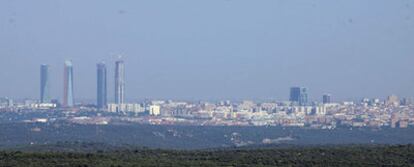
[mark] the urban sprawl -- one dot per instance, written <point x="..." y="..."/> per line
<point x="391" y="112"/>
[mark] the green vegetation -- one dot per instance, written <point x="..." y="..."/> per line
<point x="401" y="155"/>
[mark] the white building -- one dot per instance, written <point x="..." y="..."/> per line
<point x="129" y="107"/>
<point x="154" y="110"/>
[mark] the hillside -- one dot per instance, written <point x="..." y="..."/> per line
<point x="398" y="155"/>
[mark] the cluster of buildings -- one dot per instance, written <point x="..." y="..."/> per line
<point x="297" y="112"/>
<point x="375" y="113"/>
<point x="68" y="89"/>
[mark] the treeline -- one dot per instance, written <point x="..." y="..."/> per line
<point x="399" y="155"/>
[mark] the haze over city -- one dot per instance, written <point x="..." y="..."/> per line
<point x="211" y="49"/>
<point x="207" y="83"/>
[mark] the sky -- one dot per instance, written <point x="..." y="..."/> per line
<point x="215" y="49"/>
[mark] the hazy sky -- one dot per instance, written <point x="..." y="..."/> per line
<point x="211" y="49"/>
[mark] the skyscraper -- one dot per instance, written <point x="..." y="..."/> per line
<point x="68" y="100"/>
<point x="101" y="98"/>
<point x="44" y="84"/>
<point x="299" y="95"/>
<point x="119" y="82"/>
<point x="326" y="99"/>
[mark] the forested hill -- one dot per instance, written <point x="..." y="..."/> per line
<point x="397" y="155"/>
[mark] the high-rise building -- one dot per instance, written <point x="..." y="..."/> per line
<point x="119" y="82"/>
<point x="326" y="99"/>
<point x="299" y="95"/>
<point x="44" y="84"/>
<point x="68" y="100"/>
<point x="101" y="98"/>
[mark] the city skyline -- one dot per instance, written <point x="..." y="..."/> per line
<point x="298" y="95"/>
<point x="253" y="83"/>
<point x="184" y="51"/>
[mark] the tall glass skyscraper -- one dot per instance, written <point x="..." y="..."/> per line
<point x="44" y="84"/>
<point x="119" y="82"/>
<point x="68" y="100"/>
<point x="101" y="98"/>
<point x="299" y="95"/>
